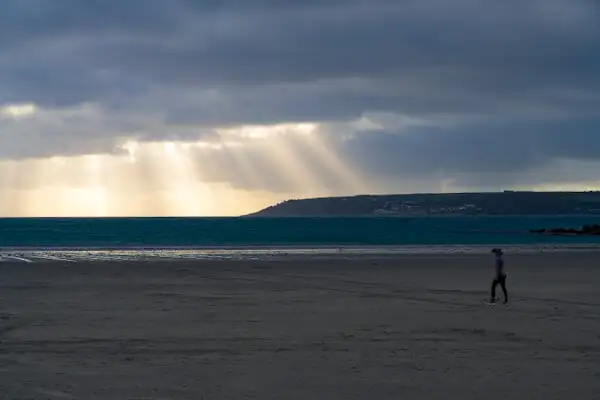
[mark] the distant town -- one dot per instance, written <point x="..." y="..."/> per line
<point x="415" y="208"/>
<point x="487" y="203"/>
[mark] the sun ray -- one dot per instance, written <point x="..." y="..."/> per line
<point x="185" y="192"/>
<point x="257" y="163"/>
<point x="245" y="166"/>
<point x="289" y="160"/>
<point x="40" y="180"/>
<point x="96" y="166"/>
<point x="11" y="204"/>
<point x="275" y="149"/>
<point x="298" y="151"/>
<point x="330" y="160"/>
<point x="153" y="171"/>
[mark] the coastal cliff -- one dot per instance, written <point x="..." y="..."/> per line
<point x="490" y="203"/>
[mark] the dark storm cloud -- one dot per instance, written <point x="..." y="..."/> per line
<point x="467" y="48"/>
<point x="509" y="148"/>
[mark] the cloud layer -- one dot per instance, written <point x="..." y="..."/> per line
<point x="478" y="93"/>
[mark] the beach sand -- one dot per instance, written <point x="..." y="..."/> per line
<point x="402" y="327"/>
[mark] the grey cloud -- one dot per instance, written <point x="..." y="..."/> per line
<point x="417" y="158"/>
<point x="86" y="129"/>
<point x="501" y="148"/>
<point x="524" y="71"/>
<point x="28" y="22"/>
<point x="471" y="49"/>
<point x="392" y="41"/>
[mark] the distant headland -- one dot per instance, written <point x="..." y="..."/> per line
<point x="432" y="204"/>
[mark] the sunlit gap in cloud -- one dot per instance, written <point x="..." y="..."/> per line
<point x="230" y="176"/>
<point x="17" y="111"/>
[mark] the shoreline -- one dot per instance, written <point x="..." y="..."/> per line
<point x="279" y="254"/>
<point x="309" y="247"/>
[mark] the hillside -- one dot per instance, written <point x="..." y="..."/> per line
<point x="493" y="203"/>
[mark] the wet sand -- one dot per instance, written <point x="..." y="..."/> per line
<point x="331" y="328"/>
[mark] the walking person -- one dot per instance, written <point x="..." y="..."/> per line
<point x="500" y="278"/>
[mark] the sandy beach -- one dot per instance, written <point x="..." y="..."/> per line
<point x="401" y="327"/>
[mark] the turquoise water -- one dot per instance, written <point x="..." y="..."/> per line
<point x="37" y="233"/>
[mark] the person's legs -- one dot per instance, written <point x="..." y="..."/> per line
<point x="503" y="285"/>
<point x="493" y="294"/>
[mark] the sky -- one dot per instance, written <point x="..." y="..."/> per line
<point x="223" y="107"/>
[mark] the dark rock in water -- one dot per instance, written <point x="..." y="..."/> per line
<point x="585" y="230"/>
<point x="591" y="229"/>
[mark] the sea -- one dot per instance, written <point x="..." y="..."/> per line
<point x="99" y="239"/>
